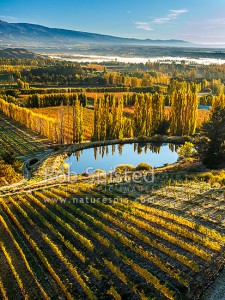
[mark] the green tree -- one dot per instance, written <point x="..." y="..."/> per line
<point x="187" y="150"/>
<point x="77" y="117"/>
<point x="213" y="150"/>
<point x="184" y="112"/>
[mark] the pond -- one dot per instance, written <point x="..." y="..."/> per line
<point x="204" y="107"/>
<point x="108" y="157"/>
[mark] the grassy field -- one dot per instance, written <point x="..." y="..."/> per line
<point x="71" y="241"/>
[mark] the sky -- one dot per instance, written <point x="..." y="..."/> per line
<point x="198" y="21"/>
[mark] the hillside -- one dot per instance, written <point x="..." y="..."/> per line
<point x="24" y="34"/>
<point x="18" y="53"/>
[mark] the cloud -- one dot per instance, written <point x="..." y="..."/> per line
<point x="218" y="21"/>
<point x="171" y="16"/>
<point x="144" y="26"/>
<point x="161" y="20"/>
<point x="186" y="34"/>
<point x="8" y="18"/>
<point x="179" y="11"/>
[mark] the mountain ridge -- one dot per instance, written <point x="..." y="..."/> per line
<point x="27" y="34"/>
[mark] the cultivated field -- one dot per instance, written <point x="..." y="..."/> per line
<point x="16" y="138"/>
<point x="71" y="241"/>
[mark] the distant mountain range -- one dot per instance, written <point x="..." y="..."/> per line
<point x="31" y="35"/>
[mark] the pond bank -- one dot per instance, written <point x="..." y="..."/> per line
<point x="154" y="140"/>
<point x="56" y="159"/>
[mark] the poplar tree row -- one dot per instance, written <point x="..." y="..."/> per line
<point x="184" y="113"/>
<point x="185" y="86"/>
<point x="148" y="114"/>
<point x="109" y="121"/>
<point x="218" y="101"/>
<point x="39" y="101"/>
<point x="54" y="129"/>
<point x="142" y="80"/>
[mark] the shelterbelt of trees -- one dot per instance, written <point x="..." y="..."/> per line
<point x="109" y="119"/>
<point x="39" y="101"/>
<point x="44" y="125"/>
<point x="208" y="92"/>
<point x="47" y="72"/>
<point x="148" y="116"/>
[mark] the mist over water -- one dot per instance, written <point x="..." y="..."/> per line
<point x="85" y="58"/>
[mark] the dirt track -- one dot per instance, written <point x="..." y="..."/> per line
<point x="216" y="291"/>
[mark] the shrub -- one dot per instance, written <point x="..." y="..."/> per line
<point x="204" y="176"/>
<point x="9" y="158"/>
<point x="123" y="167"/>
<point x="213" y="177"/>
<point x="8" y="174"/>
<point x="98" y="171"/>
<point x="157" y="138"/>
<point x="17" y="165"/>
<point x="187" y="150"/>
<point x="143" y="167"/>
<point x="163" y="127"/>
